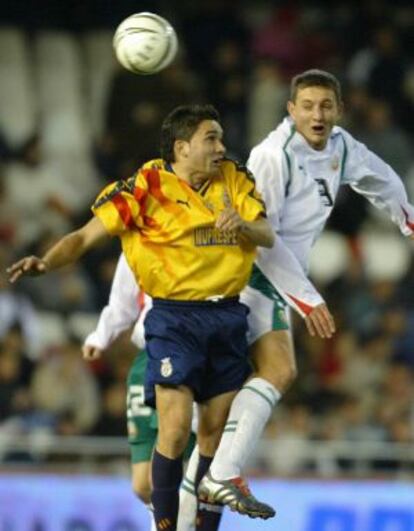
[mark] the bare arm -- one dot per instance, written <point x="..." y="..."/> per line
<point x="66" y="251"/>
<point x="257" y="232"/>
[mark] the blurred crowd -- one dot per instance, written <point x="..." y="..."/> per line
<point x="240" y="57"/>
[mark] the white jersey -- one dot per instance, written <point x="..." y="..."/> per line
<point x="126" y="304"/>
<point x="299" y="186"/>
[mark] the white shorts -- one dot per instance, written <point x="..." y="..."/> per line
<point x="266" y="314"/>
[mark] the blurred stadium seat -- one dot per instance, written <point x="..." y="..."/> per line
<point x="80" y="324"/>
<point x="52" y="329"/>
<point x="63" y="108"/>
<point x="100" y="65"/>
<point x="17" y="109"/>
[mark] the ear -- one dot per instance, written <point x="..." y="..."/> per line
<point x="290" y="108"/>
<point x="181" y="148"/>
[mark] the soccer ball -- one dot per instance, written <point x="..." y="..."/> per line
<point x="145" y="43"/>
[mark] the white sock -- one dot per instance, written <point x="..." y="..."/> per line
<point x="187" y="511"/>
<point x="151" y="515"/>
<point x="247" y="419"/>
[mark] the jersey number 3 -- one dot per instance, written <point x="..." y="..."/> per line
<point x="324" y="192"/>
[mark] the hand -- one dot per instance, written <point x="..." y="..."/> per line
<point x="90" y="353"/>
<point x="229" y="219"/>
<point x="320" y="322"/>
<point x="30" y="265"/>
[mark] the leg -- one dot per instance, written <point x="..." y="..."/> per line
<point x="141" y="486"/>
<point x="142" y="433"/>
<point x="141" y="483"/>
<point x="174" y="406"/>
<point x="212" y="419"/>
<point x="187" y="512"/>
<point x="274" y="361"/>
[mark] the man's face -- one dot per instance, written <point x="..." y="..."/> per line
<point x="205" y="150"/>
<point x="315" y="111"/>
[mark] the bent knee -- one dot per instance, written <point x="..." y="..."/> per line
<point x="289" y="375"/>
<point x="173" y="441"/>
<point x="274" y="359"/>
<point x="281" y="376"/>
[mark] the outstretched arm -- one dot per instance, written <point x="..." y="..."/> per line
<point x="66" y="251"/>
<point x="371" y="177"/>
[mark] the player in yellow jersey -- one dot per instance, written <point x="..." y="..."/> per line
<point x="189" y="224"/>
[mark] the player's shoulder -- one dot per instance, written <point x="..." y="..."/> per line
<point x="339" y="134"/>
<point x="154" y="164"/>
<point x="353" y="150"/>
<point x="273" y="145"/>
<point x="154" y="172"/>
<point x="113" y="189"/>
<point x="232" y="168"/>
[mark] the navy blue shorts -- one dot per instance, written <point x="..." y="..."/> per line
<point x="201" y="345"/>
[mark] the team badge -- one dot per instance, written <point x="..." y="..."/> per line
<point x="166" y="367"/>
<point x="282" y="316"/>
<point x="335" y="163"/>
<point x="209" y="206"/>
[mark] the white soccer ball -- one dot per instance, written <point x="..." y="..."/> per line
<point x="145" y="43"/>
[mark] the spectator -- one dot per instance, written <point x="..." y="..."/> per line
<point x="63" y="385"/>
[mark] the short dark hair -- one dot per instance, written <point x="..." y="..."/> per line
<point x="181" y="124"/>
<point x="315" y="78"/>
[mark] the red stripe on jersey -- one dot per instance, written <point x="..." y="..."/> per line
<point x="306" y="309"/>
<point x="154" y="185"/>
<point x="124" y="211"/>
<point x="141" y="300"/>
<point x="409" y="223"/>
<point x="151" y="222"/>
<point x="139" y="194"/>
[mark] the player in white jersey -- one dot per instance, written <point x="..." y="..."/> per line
<point x="127" y="307"/>
<point x="298" y="169"/>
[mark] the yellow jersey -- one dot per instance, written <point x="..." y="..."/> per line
<point x="168" y="233"/>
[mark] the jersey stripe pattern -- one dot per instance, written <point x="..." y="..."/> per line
<point x="168" y="233"/>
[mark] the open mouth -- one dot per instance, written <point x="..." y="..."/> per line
<point x="318" y="129"/>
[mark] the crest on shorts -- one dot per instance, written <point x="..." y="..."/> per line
<point x="282" y="316"/>
<point x="166" y="367"/>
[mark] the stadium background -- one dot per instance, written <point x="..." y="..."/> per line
<point x="72" y="120"/>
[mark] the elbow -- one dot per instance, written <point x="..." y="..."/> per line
<point x="269" y="240"/>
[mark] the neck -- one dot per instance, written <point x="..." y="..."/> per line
<point x="194" y="178"/>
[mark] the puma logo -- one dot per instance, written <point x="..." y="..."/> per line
<point x="182" y="202"/>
